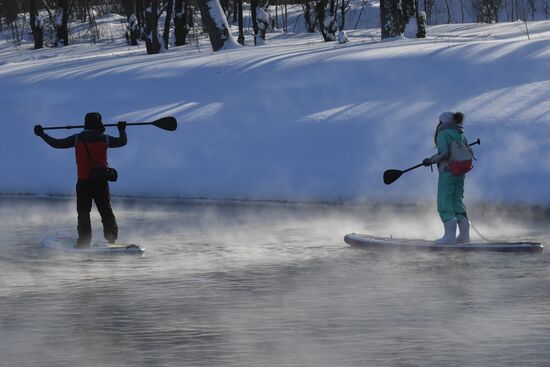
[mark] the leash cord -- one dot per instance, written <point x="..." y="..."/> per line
<point x="476" y="231"/>
<point x="474" y="227"/>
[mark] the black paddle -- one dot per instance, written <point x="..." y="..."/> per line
<point x="391" y="175"/>
<point x="165" y="123"/>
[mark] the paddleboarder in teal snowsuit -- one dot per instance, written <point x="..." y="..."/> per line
<point x="450" y="188"/>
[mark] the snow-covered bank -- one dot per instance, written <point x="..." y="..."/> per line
<point x="295" y="119"/>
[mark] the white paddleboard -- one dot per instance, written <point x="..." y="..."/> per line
<point x="362" y="240"/>
<point x="65" y="243"/>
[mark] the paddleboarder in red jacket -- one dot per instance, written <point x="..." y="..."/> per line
<point x="91" y="154"/>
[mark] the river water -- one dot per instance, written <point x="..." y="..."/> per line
<point x="266" y="284"/>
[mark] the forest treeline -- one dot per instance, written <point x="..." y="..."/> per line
<point x="164" y="23"/>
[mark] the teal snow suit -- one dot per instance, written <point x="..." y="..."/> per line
<point x="450" y="188"/>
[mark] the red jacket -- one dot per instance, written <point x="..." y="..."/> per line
<point x="97" y="144"/>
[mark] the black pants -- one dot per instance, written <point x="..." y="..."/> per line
<point x="98" y="191"/>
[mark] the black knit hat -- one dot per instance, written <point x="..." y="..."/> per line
<point x="92" y="121"/>
<point x="458" y="117"/>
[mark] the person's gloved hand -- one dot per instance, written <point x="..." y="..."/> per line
<point x="38" y="130"/>
<point x="427" y="162"/>
<point x="121" y="126"/>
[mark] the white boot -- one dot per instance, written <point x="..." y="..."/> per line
<point x="449" y="237"/>
<point x="464" y="231"/>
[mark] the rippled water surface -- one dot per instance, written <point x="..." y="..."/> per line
<point x="243" y="284"/>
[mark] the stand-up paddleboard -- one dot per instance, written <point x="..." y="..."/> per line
<point x="366" y="241"/>
<point x="66" y="243"/>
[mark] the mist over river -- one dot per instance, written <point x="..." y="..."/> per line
<point x="269" y="284"/>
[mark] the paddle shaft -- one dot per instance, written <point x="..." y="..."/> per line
<point x="410" y="169"/>
<point x="106" y="125"/>
<point x="421" y="164"/>
<point x="393" y="175"/>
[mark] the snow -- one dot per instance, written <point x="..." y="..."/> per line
<point x="295" y="119"/>
<point x="411" y="28"/>
<point x="342" y="37"/>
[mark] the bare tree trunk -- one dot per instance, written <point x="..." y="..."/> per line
<point x="285" y="17"/>
<point x="326" y="16"/>
<point x="344" y="7"/>
<point x="545" y="8"/>
<point x="533" y="7"/>
<point x="151" y="27"/>
<point x="361" y="13"/>
<point x="36" y="25"/>
<point x="390" y="18"/>
<point x="240" y="20"/>
<point x="448" y="6"/>
<point x="140" y="15"/>
<point x="94" y="31"/>
<point x="133" y="24"/>
<point x="309" y="15"/>
<point x="276" y="16"/>
<point x="167" y="21"/>
<point x="262" y="21"/>
<point x="11" y="10"/>
<point x="61" y="23"/>
<point x="428" y="9"/>
<point x="181" y="23"/>
<point x="81" y="10"/>
<point x="420" y="20"/>
<point x="214" y="21"/>
<point x="253" y="7"/>
<point x="486" y="10"/>
<point x="421" y="24"/>
<point x="225" y="6"/>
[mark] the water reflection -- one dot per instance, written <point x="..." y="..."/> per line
<point x="227" y="284"/>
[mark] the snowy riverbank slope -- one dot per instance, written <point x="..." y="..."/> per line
<point x="295" y="119"/>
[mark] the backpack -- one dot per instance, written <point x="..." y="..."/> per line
<point x="461" y="158"/>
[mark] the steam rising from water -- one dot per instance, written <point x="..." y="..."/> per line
<point x="268" y="284"/>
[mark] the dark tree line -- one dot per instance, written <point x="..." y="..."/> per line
<point x="142" y="16"/>
<point x="49" y="19"/>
